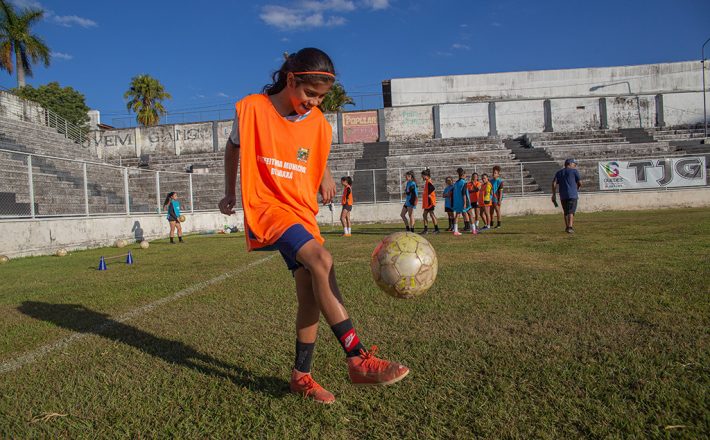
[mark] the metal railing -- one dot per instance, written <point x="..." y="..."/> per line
<point x="14" y="107"/>
<point x="43" y="186"/>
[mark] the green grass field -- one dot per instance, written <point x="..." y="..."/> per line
<point x="597" y="335"/>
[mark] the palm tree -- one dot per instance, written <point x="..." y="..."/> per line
<point x="336" y="99"/>
<point x="145" y="95"/>
<point x="16" y="37"/>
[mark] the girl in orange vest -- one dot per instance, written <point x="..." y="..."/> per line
<point x="429" y="202"/>
<point x="282" y="141"/>
<point x="347" y="202"/>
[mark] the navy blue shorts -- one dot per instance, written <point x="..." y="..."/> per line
<point x="569" y="206"/>
<point x="289" y="244"/>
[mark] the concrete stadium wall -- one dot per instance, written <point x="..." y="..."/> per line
<point x="517" y="117"/>
<point x="42" y="237"/>
<point x="575" y="114"/>
<point x="685" y="109"/>
<point x="539" y="84"/>
<point x="18" y="109"/>
<point x="464" y="120"/>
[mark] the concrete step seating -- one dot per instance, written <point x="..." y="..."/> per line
<point x="677" y="134"/>
<point x="608" y="151"/>
<point x="572" y="135"/>
<point x="579" y="141"/>
<point x="43" y="140"/>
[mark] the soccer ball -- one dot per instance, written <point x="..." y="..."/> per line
<point x="145" y="244"/>
<point x="4" y="259"/>
<point x="121" y="243"/>
<point x="182" y="219"/>
<point x="404" y="265"/>
<point x="61" y="252"/>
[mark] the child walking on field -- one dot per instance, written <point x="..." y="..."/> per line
<point x="410" y="201"/>
<point x="172" y="205"/>
<point x="461" y="202"/>
<point x="347" y="203"/>
<point x="282" y="141"/>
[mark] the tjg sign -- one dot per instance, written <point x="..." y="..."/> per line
<point x="652" y="173"/>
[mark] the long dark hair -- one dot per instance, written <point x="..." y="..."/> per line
<point x="347" y="179"/>
<point x="308" y="59"/>
<point x="167" y="198"/>
<point x="410" y="173"/>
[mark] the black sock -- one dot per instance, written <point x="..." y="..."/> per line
<point x="304" y="356"/>
<point x="436" y="227"/>
<point x="407" y="228"/>
<point x="180" y="238"/>
<point x="345" y="333"/>
<point x="172" y="240"/>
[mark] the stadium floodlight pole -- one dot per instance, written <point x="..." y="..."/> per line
<point x="705" y="114"/>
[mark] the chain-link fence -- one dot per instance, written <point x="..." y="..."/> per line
<point x="35" y="185"/>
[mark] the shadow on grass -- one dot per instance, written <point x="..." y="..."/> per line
<point x="78" y="318"/>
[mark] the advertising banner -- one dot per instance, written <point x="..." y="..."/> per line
<point x="669" y="172"/>
<point x="360" y="127"/>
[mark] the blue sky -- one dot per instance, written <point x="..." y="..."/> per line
<point x="208" y="56"/>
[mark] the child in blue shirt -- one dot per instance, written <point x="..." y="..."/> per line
<point x="410" y="201"/>
<point x="172" y="205"/>
<point x="448" y="204"/>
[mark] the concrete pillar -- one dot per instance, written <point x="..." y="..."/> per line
<point x="381" y="137"/>
<point x="492" y="128"/>
<point x="215" y="136"/>
<point x="603" y="118"/>
<point x="138" y="141"/>
<point x="340" y="127"/>
<point x="547" y="115"/>
<point x="660" y="119"/>
<point x="437" y="122"/>
<point x="175" y="145"/>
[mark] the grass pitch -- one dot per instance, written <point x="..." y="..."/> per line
<point x="527" y="333"/>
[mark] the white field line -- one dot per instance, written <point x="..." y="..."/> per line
<point x="32" y="356"/>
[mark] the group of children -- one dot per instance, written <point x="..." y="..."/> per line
<point x="476" y="201"/>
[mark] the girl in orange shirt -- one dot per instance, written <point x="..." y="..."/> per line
<point x="347" y="203"/>
<point x="282" y="141"/>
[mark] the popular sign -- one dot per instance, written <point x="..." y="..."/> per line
<point x="652" y="173"/>
<point x="360" y="127"/>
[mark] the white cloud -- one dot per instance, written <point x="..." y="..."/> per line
<point x="463" y="25"/>
<point x="300" y="14"/>
<point x="496" y="24"/>
<point x="286" y="18"/>
<point x="377" y="4"/>
<point x="62" y="20"/>
<point x="327" y="5"/>
<point x="71" y="20"/>
<point x="62" y="56"/>
<point x="460" y="46"/>
<point x="222" y="95"/>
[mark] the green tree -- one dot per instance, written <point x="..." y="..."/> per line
<point x="16" y="38"/>
<point x="64" y="101"/>
<point x="336" y="99"/>
<point x="145" y="97"/>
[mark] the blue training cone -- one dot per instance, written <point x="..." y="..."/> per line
<point x="102" y="264"/>
<point x="129" y="258"/>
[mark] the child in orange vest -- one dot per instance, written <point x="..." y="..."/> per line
<point x="429" y="202"/>
<point x="347" y="202"/>
<point x="282" y="141"/>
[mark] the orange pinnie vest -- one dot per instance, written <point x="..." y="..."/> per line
<point x="282" y="165"/>
<point x="429" y="199"/>
<point x="347" y="197"/>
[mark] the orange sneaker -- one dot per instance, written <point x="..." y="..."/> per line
<point x="303" y="384"/>
<point x="366" y="369"/>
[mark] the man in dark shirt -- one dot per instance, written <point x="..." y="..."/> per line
<point x="567" y="179"/>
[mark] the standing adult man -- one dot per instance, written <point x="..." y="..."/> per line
<point x="567" y="179"/>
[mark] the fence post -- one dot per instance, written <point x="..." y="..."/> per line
<point x="374" y="190"/>
<point x="66" y="129"/>
<point x="32" y="188"/>
<point x="125" y="191"/>
<point x="522" y="184"/>
<point x="157" y="188"/>
<point x="192" y="204"/>
<point x="86" y="190"/>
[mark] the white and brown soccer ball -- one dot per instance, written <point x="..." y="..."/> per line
<point x="404" y="265"/>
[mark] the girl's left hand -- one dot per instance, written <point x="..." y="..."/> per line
<point x="327" y="187"/>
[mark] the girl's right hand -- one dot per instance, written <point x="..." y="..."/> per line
<point x="226" y="205"/>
